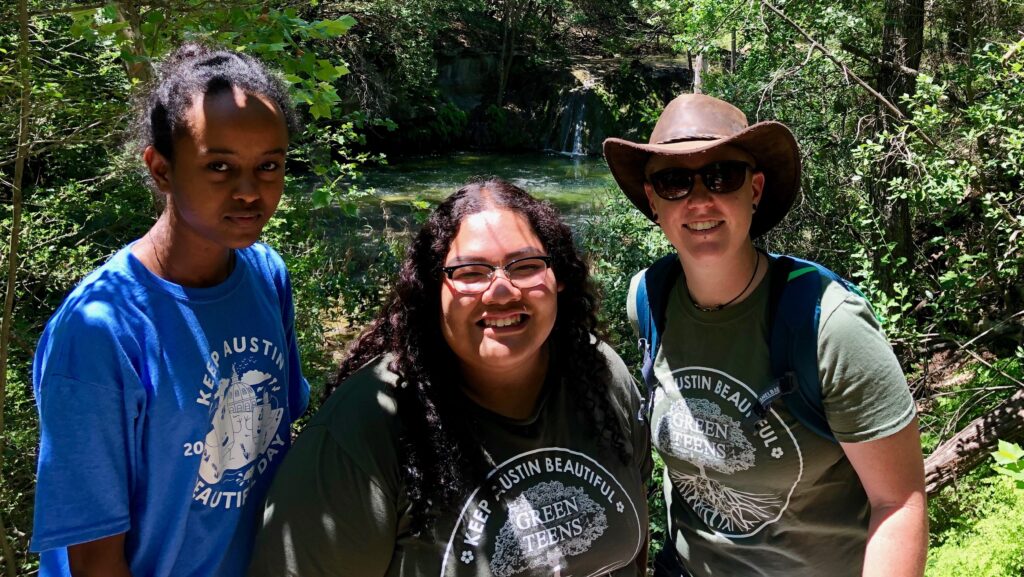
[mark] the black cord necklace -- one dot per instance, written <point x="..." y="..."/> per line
<point x="702" y="308"/>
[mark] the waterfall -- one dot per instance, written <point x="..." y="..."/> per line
<point x="570" y="134"/>
<point x="577" y="130"/>
<point x="574" y="116"/>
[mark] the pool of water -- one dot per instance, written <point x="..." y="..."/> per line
<point x="571" y="183"/>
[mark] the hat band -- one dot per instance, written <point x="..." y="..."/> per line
<point x="692" y="137"/>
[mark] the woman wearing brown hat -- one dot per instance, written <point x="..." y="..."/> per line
<point x="754" y="484"/>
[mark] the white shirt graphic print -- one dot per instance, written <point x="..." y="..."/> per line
<point x="715" y="464"/>
<point x="544" y="512"/>
<point x="246" y="411"/>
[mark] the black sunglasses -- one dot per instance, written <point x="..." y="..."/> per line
<point x="676" y="183"/>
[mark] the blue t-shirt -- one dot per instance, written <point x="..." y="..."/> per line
<point x="164" y="412"/>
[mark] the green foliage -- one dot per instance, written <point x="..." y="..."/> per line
<point x="972" y="391"/>
<point x="1010" y="462"/>
<point x="633" y="101"/>
<point x="299" y="48"/>
<point x="21" y="433"/>
<point x="509" y="129"/>
<point x="694" y="25"/>
<point x="391" y="52"/>
<point x="340" y="274"/>
<point x="964" y="196"/>
<point x="445" y="128"/>
<point x="978" y="532"/>
<point x="619" y="242"/>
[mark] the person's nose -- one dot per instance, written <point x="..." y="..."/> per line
<point x="247" y="189"/>
<point x="699" y="194"/>
<point x="501" y="289"/>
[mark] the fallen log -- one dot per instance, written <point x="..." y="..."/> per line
<point x="974" y="443"/>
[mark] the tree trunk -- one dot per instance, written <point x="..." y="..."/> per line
<point x="732" y="53"/>
<point x="24" y="63"/>
<point x="507" y="49"/>
<point x="698" y="69"/>
<point x="973" y="444"/>
<point x="902" y="42"/>
<point x="139" y="68"/>
<point x="513" y="14"/>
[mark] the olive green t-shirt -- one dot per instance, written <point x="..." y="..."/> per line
<point x="554" y="504"/>
<point x="778" y="499"/>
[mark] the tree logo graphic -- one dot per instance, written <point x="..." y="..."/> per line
<point x="546" y="524"/>
<point x="713" y="461"/>
<point x="548" y="511"/>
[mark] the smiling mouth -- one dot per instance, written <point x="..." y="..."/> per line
<point x="704" y="225"/>
<point x="498" y="323"/>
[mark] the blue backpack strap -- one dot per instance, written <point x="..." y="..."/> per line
<point x="652" y="294"/>
<point x="795" y="319"/>
<point x="784" y="380"/>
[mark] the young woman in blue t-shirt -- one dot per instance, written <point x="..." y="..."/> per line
<point x="168" y="379"/>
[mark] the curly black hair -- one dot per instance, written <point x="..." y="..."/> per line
<point x="198" y="70"/>
<point x="443" y="460"/>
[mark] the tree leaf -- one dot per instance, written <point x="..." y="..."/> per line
<point x="321" y="197"/>
<point x="1008" y="453"/>
<point x="337" y="27"/>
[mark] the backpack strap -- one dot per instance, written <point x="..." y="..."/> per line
<point x="794" y="310"/>
<point x="794" y="314"/>
<point x="652" y="294"/>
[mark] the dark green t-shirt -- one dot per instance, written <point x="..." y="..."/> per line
<point x="777" y="500"/>
<point x="553" y="505"/>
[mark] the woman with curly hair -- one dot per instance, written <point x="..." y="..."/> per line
<point x="477" y="427"/>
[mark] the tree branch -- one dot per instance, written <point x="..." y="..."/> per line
<point x="705" y="42"/>
<point x="842" y="66"/>
<point x="24" y="63"/>
<point x="878" y="61"/>
<point x="53" y="143"/>
<point x="1013" y="50"/>
<point x="973" y="443"/>
<point x="66" y="10"/>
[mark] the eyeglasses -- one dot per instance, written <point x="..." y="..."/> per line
<point x="475" y="278"/>
<point x="676" y="183"/>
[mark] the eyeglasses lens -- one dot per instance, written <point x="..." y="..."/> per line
<point x="476" y="278"/>
<point x="718" y="178"/>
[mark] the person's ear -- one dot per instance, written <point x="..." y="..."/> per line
<point x="159" y="168"/>
<point x="757" y="186"/>
<point x="649" y="191"/>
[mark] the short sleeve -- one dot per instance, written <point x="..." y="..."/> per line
<point x="325" y="515"/>
<point x="626" y="387"/>
<point x="273" y="269"/>
<point x="865" y="393"/>
<point x="631" y="301"/>
<point x="90" y="400"/>
<point x="299" y="390"/>
<point x="84" y="478"/>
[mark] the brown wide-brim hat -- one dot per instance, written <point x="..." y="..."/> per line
<point x="694" y="124"/>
